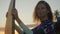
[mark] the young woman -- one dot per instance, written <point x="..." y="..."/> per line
<point x="42" y="13"/>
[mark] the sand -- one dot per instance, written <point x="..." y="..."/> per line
<point x="2" y="32"/>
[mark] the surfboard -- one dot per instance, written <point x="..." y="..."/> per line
<point x="9" y="27"/>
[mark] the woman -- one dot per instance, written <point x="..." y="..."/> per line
<point x="42" y="13"/>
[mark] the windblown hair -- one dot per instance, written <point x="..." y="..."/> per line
<point x="35" y="16"/>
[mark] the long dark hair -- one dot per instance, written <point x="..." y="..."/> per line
<point x="35" y="17"/>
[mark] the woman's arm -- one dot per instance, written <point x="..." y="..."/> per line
<point x="24" y="27"/>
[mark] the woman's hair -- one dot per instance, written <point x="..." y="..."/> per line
<point x="35" y="17"/>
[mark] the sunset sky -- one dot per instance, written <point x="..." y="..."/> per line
<point x="25" y="9"/>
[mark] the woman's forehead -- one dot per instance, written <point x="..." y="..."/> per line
<point x="41" y="5"/>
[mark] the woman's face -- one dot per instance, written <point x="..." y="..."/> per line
<point x="41" y="10"/>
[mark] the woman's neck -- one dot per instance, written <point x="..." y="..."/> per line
<point x="44" y="18"/>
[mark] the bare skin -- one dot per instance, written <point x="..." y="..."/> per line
<point x="42" y="12"/>
<point x="15" y="13"/>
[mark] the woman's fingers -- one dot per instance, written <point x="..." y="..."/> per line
<point x="14" y="12"/>
<point x="6" y="14"/>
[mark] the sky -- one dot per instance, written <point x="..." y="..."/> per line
<point x="25" y="9"/>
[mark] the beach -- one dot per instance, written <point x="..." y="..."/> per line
<point x="2" y="32"/>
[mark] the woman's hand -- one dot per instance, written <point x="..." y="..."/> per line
<point x="14" y="13"/>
